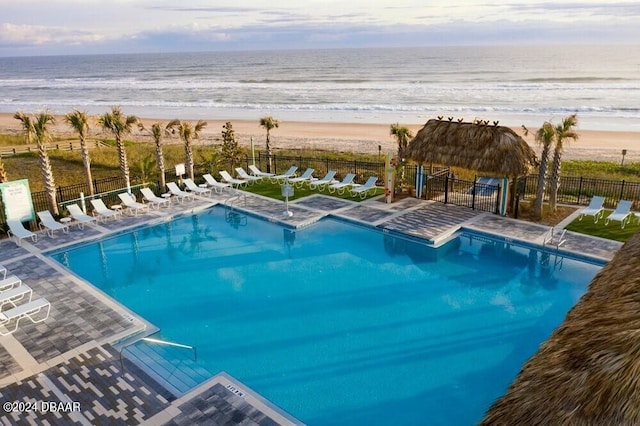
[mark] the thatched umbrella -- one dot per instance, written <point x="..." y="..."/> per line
<point x="588" y="372"/>
<point x="479" y="146"/>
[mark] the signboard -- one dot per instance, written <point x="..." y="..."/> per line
<point x="179" y="169"/>
<point x="16" y="198"/>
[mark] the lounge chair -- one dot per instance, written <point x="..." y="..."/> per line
<point x="7" y="283"/>
<point x="192" y="187"/>
<point x="342" y="186"/>
<point x="100" y="211"/>
<point x="363" y="190"/>
<point x="17" y="294"/>
<point x="485" y="186"/>
<point x="49" y="224"/>
<point x="291" y="173"/>
<point x="231" y="181"/>
<point x="246" y="176"/>
<point x="131" y="204"/>
<point x="594" y="209"/>
<point x="36" y="310"/>
<point x="152" y="199"/>
<point x="79" y="216"/>
<point x="214" y="184"/>
<point x="19" y="232"/>
<point x="621" y="214"/>
<point x="3" y="270"/>
<point x="324" y="182"/>
<point x="174" y="190"/>
<point x="256" y="172"/>
<point x="306" y="177"/>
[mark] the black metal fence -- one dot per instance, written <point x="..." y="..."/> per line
<point x="460" y="192"/>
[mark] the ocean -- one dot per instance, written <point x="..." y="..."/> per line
<point x="513" y="85"/>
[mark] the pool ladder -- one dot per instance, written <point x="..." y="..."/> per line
<point x="231" y="214"/>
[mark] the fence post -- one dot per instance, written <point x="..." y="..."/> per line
<point x="446" y="188"/>
<point x="326" y="162"/>
<point x="579" y="190"/>
<point x="355" y="168"/>
<point x="622" y="190"/>
<point x="473" y="196"/>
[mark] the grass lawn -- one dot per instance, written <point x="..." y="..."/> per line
<point x="273" y="190"/>
<point x="611" y="232"/>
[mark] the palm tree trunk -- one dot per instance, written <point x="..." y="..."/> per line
<point x="47" y="177"/>
<point x="124" y="167"/>
<point x="268" y="153"/>
<point x="3" y="173"/>
<point x="86" y="161"/>
<point x="160" y="161"/>
<point x="542" y="180"/>
<point x="554" y="179"/>
<point x="188" y="153"/>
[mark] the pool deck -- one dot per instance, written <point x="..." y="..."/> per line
<point x="70" y="357"/>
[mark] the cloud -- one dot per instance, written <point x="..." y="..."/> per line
<point x="25" y="35"/>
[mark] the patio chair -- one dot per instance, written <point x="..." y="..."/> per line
<point x="192" y="187"/>
<point x="291" y="173"/>
<point x="306" y="177"/>
<point x="257" y="172"/>
<point x="152" y="199"/>
<point x="340" y="187"/>
<point x="621" y="214"/>
<point x="363" y="190"/>
<point x="49" y="224"/>
<point x="79" y="216"/>
<point x="19" y="232"/>
<point x="100" y="211"/>
<point x="324" y="182"/>
<point x="231" y="181"/>
<point x="131" y="204"/>
<point x="17" y="294"/>
<point x="594" y="209"/>
<point x="246" y="176"/>
<point x="214" y="184"/>
<point x="182" y="195"/>
<point x="7" y="283"/>
<point x="36" y="311"/>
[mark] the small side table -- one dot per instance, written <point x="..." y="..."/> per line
<point x="66" y="220"/>
<point x="167" y="196"/>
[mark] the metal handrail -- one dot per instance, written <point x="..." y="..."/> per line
<point x="158" y="341"/>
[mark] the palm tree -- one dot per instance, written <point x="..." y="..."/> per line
<point x="119" y="125"/>
<point x="402" y="135"/>
<point x="544" y="136"/>
<point x="36" y="129"/>
<point x="269" y="123"/>
<point x="187" y="133"/>
<point x="563" y="131"/>
<point x="79" y="121"/>
<point x="157" y="131"/>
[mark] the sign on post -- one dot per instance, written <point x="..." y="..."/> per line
<point x="16" y="197"/>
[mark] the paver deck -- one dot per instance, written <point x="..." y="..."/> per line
<point x="69" y="357"/>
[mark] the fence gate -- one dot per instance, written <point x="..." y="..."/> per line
<point x="474" y="195"/>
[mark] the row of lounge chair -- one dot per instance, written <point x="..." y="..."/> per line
<point x="622" y="213"/>
<point x="17" y="303"/>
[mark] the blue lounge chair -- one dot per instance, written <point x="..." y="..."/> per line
<point x="342" y="186"/>
<point x="307" y="176"/>
<point x="621" y="214"/>
<point x="363" y="190"/>
<point x="291" y="173"/>
<point x="324" y="182"/>
<point x="594" y="209"/>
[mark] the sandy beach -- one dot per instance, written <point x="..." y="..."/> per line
<point x="363" y="138"/>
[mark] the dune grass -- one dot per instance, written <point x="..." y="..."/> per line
<point x="613" y="231"/>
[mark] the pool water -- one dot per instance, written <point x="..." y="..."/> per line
<point x="340" y="324"/>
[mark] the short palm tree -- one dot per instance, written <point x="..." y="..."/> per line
<point x="402" y="135"/>
<point x="563" y="131"/>
<point x="188" y="133"/>
<point x="36" y="129"/>
<point x="269" y="123"/>
<point x="79" y="121"/>
<point x="158" y="131"/>
<point x="119" y="125"/>
<point x="544" y="136"/>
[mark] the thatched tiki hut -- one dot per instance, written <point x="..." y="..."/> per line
<point x="480" y="146"/>
<point x="588" y="371"/>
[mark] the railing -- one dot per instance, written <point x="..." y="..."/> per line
<point x="448" y="190"/>
<point x="62" y="146"/>
<point x="159" y="342"/>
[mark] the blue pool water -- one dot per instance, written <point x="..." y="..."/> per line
<point x="339" y="324"/>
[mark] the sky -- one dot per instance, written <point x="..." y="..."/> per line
<point x="55" y="27"/>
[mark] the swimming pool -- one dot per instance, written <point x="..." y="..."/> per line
<point x="340" y="324"/>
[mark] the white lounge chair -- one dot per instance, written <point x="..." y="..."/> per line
<point x="324" y="182"/>
<point x="363" y="190"/>
<point x="36" y="310"/>
<point x="19" y="232"/>
<point x="231" y="181"/>
<point x="79" y="216"/>
<point x="214" y="184"/>
<point x="100" y="211"/>
<point x="594" y="209"/>
<point x="291" y="173"/>
<point x="17" y="294"/>
<point x="49" y="224"/>
<point x="257" y="172"/>
<point x="131" y="204"/>
<point x="192" y="187"/>
<point x="621" y="214"/>
<point x="7" y="283"/>
<point x="246" y="176"/>
<point x="182" y="195"/>
<point x="3" y="271"/>
<point x="342" y="186"/>
<point x="306" y="177"/>
<point x="152" y="199"/>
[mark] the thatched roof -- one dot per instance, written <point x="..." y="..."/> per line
<point x="588" y="372"/>
<point x="484" y="147"/>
